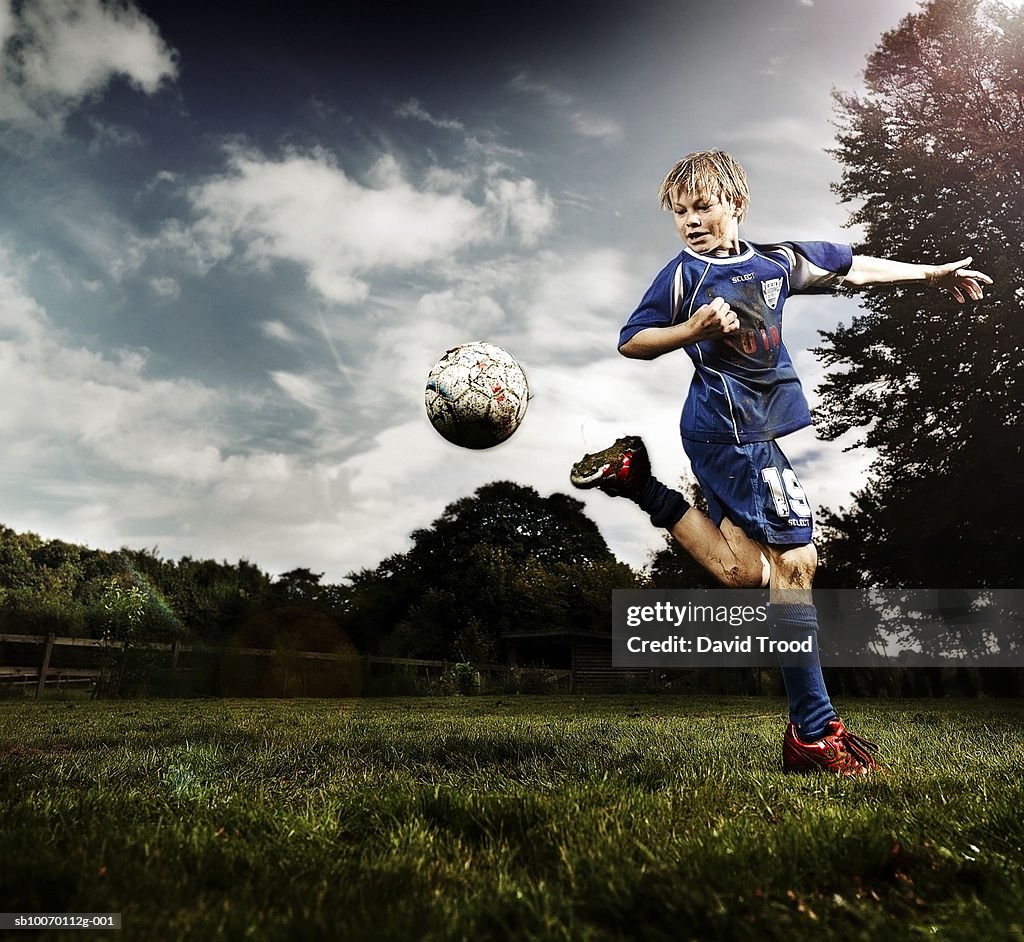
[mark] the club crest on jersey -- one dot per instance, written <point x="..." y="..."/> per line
<point x="770" y="289"/>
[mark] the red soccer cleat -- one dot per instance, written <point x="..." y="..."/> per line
<point x="838" y="751"/>
<point x="620" y="470"/>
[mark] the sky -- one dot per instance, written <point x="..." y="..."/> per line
<point x="234" y="239"/>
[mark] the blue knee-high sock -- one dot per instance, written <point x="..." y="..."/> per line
<point x="665" y="506"/>
<point x="809" y="706"/>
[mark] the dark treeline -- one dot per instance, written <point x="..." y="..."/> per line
<point x="504" y="558"/>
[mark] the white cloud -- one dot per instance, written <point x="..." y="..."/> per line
<point x="414" y="109"/>
<point x="278" y="330"/>
<point x="165" y="287"/>
<point x="526" y="83"/>
<point x="101" y="407"/>
<point x="112" y="136"/>
<point x="521" y="208"/>
<point x="302" y="389"/>
<point x="577" y="303"/>
<point x="585" y="123"/>
<point x="305" y="209"/>
<point x="56" y="54"/>
<point x="447" y="180"/>
<point x="599" y="127"/>
<point x="98" y="450"/>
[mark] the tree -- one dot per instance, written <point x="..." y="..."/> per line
<point x="503" y="559"/>
<point x="517" y="518"/>
<point x="932" y="153"/>
<point x="124" y="611"/>
<point x="300" y="584"/>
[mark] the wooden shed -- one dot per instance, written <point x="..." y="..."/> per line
<point x="586" y="655"/>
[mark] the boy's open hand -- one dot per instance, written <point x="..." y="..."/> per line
<point x="714" y="320"/>
<point x="956" y="277"/>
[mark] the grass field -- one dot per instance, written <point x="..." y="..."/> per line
<point x="509" y="818"/>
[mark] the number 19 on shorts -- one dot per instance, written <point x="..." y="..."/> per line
<point x="788" y="495"/>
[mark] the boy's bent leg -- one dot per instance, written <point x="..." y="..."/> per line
<point x="725" y="551"/>
<point x="624" y="470"/>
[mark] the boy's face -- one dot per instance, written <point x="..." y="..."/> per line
<point x="709" y="225"/>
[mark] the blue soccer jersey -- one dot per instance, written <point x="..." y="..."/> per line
<point x="744" y="388"/>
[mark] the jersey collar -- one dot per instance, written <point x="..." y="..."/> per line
<point x="746" y="252"/>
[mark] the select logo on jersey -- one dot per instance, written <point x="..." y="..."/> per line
<point x="771" y="290"/>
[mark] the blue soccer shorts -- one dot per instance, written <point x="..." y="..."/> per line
<point x="754" y="486"/>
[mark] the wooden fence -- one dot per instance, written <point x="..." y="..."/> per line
<point x="43" y="672"/>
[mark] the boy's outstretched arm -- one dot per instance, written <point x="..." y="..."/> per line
<point x="954" y="276"/>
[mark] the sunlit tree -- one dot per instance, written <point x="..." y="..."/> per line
<point x="932" y="161"/>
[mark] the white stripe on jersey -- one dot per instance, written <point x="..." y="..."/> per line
<point x="804" y="274"/>
<point x="677" y="303"/>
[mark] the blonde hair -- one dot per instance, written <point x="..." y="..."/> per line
<point x="711" y="172"/>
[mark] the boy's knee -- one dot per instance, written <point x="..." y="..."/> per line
<point x="749" y="574"/>
<point x="795" y="566"/>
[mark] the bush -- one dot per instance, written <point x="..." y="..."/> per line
<point x="461" y="679"/>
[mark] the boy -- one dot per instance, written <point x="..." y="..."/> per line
<point x="721" y="300"/>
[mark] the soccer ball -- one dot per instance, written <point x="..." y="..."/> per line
<point x="477" y="395"/>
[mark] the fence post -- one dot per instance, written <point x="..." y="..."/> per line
<point x="46" y="665"/>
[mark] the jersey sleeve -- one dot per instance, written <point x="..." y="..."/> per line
<point x="814" y="267"/>
<point x="657" y="309"/>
